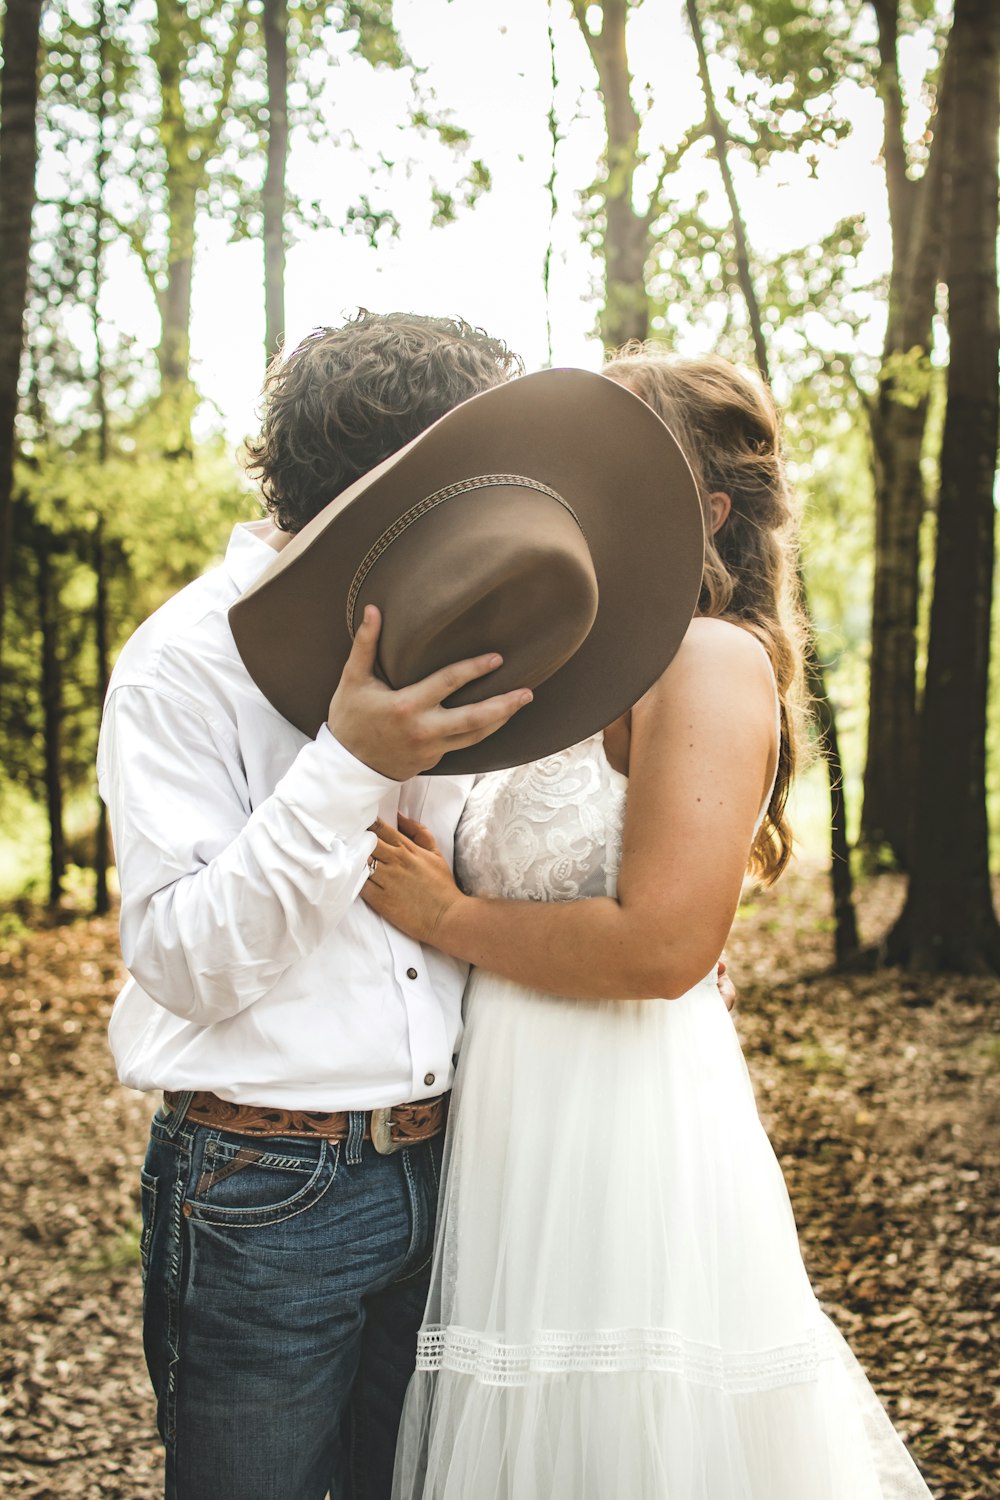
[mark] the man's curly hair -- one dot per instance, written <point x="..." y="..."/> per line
<point x="347" y="397"/>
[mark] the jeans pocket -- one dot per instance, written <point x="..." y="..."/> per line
<point x="422" y="1169"/>
<point x="243" y="1183"/>
<point x="148" y="1185"/>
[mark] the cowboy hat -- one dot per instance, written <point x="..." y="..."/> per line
<point x="552" y="519"/>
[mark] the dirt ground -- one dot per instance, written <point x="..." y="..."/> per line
<point x="881" y="1095"/>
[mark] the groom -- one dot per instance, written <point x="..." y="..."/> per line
<point x="304" y="1048"/>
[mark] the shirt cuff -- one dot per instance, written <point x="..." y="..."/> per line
<point x="332" y="793"/>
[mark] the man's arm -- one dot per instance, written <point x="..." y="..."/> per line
<point x="218" y="900"/>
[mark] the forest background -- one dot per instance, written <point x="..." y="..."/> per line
<point x="793" y="183"/>
<point x="807" y="186"/>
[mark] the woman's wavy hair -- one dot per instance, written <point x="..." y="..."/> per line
<point x="728" y="428"/>
<point x="346" y="398"/>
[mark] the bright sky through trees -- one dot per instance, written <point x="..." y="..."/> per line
<point x="492" y="70"/>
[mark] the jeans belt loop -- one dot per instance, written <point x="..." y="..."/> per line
<point x="175" y="1119"/>
<point x="355" y="1137"/>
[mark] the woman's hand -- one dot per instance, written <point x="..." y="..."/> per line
<point x="726" y="987"/>
<point x="410" y="884"/>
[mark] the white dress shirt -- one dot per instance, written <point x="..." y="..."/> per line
<point x="256" y="972"/>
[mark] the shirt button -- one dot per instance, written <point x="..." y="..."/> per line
<point x="428" y="1079"/>
<point x="411" y="973"/>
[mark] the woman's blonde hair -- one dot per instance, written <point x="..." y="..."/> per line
<point x="728" y="428"/>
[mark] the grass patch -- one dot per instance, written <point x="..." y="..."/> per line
<point x="24" y="844"/>
<point x="987" y="1048"/>
<point x="815" y="1058"/>
<point x="115" y="1254"/>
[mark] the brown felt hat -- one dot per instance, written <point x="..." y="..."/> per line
<point x="553" y="519"/>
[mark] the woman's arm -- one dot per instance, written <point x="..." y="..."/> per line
<point x="702" y="755"/>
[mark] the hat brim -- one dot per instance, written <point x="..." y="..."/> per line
<point x="594" y="442"/>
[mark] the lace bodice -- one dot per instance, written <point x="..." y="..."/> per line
<point x="548" y="831"/>
<point x="552" y="830"/>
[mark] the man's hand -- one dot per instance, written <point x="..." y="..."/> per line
<point x="401" y="733"/>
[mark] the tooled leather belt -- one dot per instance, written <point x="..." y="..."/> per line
<point x="388" y="1129"/>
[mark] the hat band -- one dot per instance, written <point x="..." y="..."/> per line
<point x="460" y="487"/>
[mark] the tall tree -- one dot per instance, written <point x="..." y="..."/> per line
<point x="275" y="21"/>
<point x="51" y="695"/>
<point x="845" y="920"/>
<point x="552" y="120"/>
<point x="769" y="39"/>
<point x="191" y="136"/>
<point x="214" y="142"/>
<point x="18" y="157"/>
<point x="625" y="244"/>
<point x="100" y="556"/>
<point x="652" y="247"/>
<point x="720" y="145"/>
<point x="949" y="921"/>
<point x="898" y="420"/>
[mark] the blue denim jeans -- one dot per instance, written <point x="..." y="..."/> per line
<point x="284" y="1282"/>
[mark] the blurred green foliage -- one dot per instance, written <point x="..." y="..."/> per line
<point x="162" y="522"/>
<point x="107" y="455"/>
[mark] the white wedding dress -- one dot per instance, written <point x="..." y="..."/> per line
<point x="618" y="1309"/>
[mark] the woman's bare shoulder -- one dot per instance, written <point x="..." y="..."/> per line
<point x="715" y="656"/>
<point x="709" y="635"/>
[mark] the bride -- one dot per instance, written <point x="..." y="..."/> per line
<point x="618" y="1304"/>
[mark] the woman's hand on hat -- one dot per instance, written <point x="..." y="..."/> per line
<point x="409" y="883"/>
<point x="401" y="732"/>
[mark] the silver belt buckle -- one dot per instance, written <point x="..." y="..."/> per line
<point x="381" y="1133"/>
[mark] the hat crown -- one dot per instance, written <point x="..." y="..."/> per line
<point x="493" y="563"/>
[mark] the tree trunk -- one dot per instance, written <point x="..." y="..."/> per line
<point x="720" y="141"/>
<point x="184" y="178"/>
<point x="50" y="684"/>
<point x="949" y="920"/>
<point x="189" y="145"/>
<point x="101" y="836"/>
<point x="898" y="418"/>
<point x="102" y="840"/>
<point x="177" y="398"/>
<point x="18" y="156"/>
<point x="174" y="353"/>
<point x="626" y="245"/>
<point x="841" y="879"/>
<point x="897" y="442"/>
<point x="550" y="186"/>
<point x="845" y="933"/>
<point x="273" y="196"/>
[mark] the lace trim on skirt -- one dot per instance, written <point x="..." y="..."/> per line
<point x="555" y="1351"/>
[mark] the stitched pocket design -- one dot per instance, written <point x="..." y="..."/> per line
<point x="243" y="1183"/>
<point x="148" y="1185"/>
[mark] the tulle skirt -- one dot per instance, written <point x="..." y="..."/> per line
<point x="618" y="1304"/>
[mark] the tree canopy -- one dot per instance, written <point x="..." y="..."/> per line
<point x="648" y="162"/>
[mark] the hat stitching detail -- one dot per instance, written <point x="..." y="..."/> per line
<point x="449" y="492"/>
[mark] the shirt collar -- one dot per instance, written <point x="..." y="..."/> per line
<point x="248" y="555"/>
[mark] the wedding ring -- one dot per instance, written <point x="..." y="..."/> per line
<point x="372" y="865"/>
